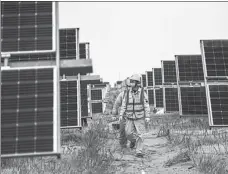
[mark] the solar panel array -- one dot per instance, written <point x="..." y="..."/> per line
<point x="27" y="26"/>
<point x="68" y="43"/>
<point x="28" y="111"/>
<point x="149" y="79"/>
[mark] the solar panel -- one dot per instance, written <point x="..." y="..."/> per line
<point x="218" y="104"/>
<point x="144" y="80"/>
<point x="69" y="107"/>
<point x="84" y="50"/>
<point x="29" y="123"/>
<point x="159" y="98"/>
<point x="193" y="101"/>
<point x="96" y="94"/>
<point x="97" y="108"/>
<point x="68" y="40"/>
<point x="69" y="101"/>
<point x="157" y="76"/>
<point x="215" y="56"/>
<point x="27" y="26"/>
<point x="150" y="96"/>
<point x="149" y="79"/>
<point x="170" y="99"/>
<point x="189" y="68"/>
<point x="169" y="72"/>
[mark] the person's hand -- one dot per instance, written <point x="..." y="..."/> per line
<point x="113" y="118"/>
<point x="147" y="120"/>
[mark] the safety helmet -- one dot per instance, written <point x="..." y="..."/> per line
<point x="136" y="77"/>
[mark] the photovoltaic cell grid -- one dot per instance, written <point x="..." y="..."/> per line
<point x="144" y="80"/>
<point x="83" y="50"/>
<point x="193" y="100"/>
<point x="151" y="96"/>
<point x="97" y="108"/>
<point x="169" y="70"/>
<point x="215" y="53"/>
<point x="157" y="76"/>
<point x="159" y="97"/>
<point x="171" y="100"/>
<point x="190" y="68"/>
<point x="67" y="43"/>
<point x="219" y="104"/>
<point x="26" y="26"/>
<point x="96" y="94"/>
<point x="149" y="77"/>
<point x="27" y="111"/>
<point x="69" y="110"/>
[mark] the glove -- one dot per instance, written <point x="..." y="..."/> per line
<point x="113" y="118"/>
<point x="147" y="120"/>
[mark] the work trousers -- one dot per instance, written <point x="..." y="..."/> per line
<point x="122" y="137"/>
<point x="135" y="130"/>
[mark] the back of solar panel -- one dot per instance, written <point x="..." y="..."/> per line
<point x="215" y="61"/>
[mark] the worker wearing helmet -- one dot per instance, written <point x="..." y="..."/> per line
<point x="122" y="122"/>
<point x="135" y="109"/>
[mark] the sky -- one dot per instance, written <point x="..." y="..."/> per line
<point x="133" y="37"/>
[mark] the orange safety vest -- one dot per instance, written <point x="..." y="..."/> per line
<point x="135" y="106"/>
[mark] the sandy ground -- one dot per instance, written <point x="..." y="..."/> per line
<point x="157" y="153"/>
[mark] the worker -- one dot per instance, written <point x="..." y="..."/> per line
<point x="122" y="122"/>
<point x="135" y="110"/>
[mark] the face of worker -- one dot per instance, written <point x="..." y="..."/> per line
<point x="134" y="85"/>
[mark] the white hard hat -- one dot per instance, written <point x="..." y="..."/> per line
<point x="136" y="77"/>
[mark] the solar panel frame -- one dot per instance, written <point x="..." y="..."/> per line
<point x="215" y="44"/>
<point x="202" y="86"/>
<point x="176" y="102"/>
<point x="158" y="98"/>
<point x="149" y="79"/>
<point x="54" y="7"/>
<point x="69" y="37"/>
<point x="200" y="75"/>
<point x="169" y="80"/>
<point x="157" y="77"/>
<point x="56" y="136"/>
<point x="84" y="50"/>
<point x="217" y="101"/>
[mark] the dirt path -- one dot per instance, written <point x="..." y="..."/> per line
<point x="157" y="153"/>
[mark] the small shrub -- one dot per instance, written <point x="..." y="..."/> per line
<point x="182" y="156"/>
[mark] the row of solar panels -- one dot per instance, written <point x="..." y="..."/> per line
<point x="194" y="85"/>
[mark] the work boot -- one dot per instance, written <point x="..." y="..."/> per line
<point x="132" y="145"/>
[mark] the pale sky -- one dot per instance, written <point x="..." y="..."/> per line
<point x="133" y="37"/>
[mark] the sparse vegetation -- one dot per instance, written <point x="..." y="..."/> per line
<point x="92" y="150"/>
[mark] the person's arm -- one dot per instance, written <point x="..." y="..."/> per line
<point x="123" y="106"/>
<point x="146" y="106"/>
<point x="117" y="104"/>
